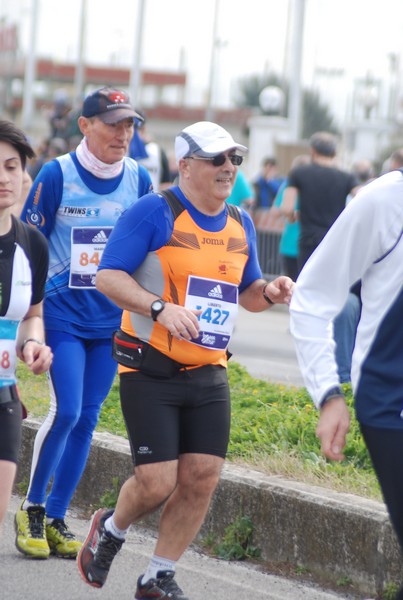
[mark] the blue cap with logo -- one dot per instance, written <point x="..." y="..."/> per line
<point x="110" y="105"/>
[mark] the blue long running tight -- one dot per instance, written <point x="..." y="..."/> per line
<point x="80" y="378"/>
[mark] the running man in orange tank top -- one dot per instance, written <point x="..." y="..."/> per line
<point x="178" y="264"/>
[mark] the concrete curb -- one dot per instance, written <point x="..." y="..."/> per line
<point x="333" y="535"/>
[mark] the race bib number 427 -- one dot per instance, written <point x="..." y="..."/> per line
<point x="218" y="302"/>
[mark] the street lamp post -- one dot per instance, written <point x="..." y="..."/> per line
<point x="213" y="65"/>
<point x="30" y="71"/>
<point x="135" y="73"/>
<point x="295" y="65"/>
<point x="79" y="74"/>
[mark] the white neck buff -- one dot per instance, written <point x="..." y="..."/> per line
<point x="98" y="168"/>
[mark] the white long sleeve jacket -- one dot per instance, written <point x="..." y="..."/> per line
<point x="366" y="242"/>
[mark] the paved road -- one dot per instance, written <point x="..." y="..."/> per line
<point x="201" y="577"/>
<point x="263" y="344"/>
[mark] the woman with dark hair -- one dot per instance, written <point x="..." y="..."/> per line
<point x="23" y="269"/>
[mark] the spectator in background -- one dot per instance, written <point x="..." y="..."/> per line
<point x="73" y="135"/>
<point x="173" y="170"/>
<point x="57" y="147"/>
<point x="50" y="149"/>
<point x="396" y="160"/>
<point x="35" y="164"/>
<point x="345" y="324"/>
<point x="289" y="238"/>
<point x="322" y="190"/>
<point x="74" y="141"/>
<point x="59" y="119"/>
<point x="363" y="170"/>
<point x="242" y="192"/>
<point x="64" y="121"/>
<point x="267" y="184"/>
<point x="345" y="331"/>
<point x="151" y="155"/>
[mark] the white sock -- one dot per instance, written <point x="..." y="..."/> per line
<point x="110" y="527"/>
<point x="157" y="563"/>
<point x="26" y="504"/>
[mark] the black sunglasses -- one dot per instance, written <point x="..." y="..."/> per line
<point x="219" y="159"/>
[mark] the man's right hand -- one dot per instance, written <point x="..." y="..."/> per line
<point x="333" y="426"/>
<point x="181" y="322"/>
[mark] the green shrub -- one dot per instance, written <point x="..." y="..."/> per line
<point x="236" y="543"/>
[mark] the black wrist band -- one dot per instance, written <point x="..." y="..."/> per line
<point x="265" y="296"/>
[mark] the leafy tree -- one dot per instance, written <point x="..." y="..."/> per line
<point x="316" y="115"/>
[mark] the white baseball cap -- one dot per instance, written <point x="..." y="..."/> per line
<point x="204" y="139"/>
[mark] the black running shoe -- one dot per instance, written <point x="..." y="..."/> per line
<point x="98" y="550"/>
<point x="164" y="586"/>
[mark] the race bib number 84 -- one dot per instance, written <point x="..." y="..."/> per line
<point x="87" y="246"/>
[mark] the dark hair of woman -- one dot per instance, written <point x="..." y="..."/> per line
<point x="10" y="134"/>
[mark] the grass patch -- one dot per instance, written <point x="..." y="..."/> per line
<point x="273" y="431"/>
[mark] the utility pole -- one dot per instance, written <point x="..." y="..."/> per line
<point x="30" y="72"/>
<point x="213" y="64"/>
<point x="135" y="73"/>
<point x="296" y="12"/>
<point x="79" y="74"/>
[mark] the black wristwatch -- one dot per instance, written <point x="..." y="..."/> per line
<point x="157" y="307"/>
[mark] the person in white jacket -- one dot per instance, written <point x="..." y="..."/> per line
<point x="365" y="243"/>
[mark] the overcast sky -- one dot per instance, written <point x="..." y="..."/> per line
<point x="354" y="36"/>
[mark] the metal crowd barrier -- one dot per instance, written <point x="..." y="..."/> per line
<point x="268" y="254"/>
<point x="269" y="226"/>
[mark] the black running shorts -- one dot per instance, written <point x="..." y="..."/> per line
<point x="188" y="413"/>
<point x="10" y="430"/>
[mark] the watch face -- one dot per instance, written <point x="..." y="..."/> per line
<point x="157" y="305"/>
